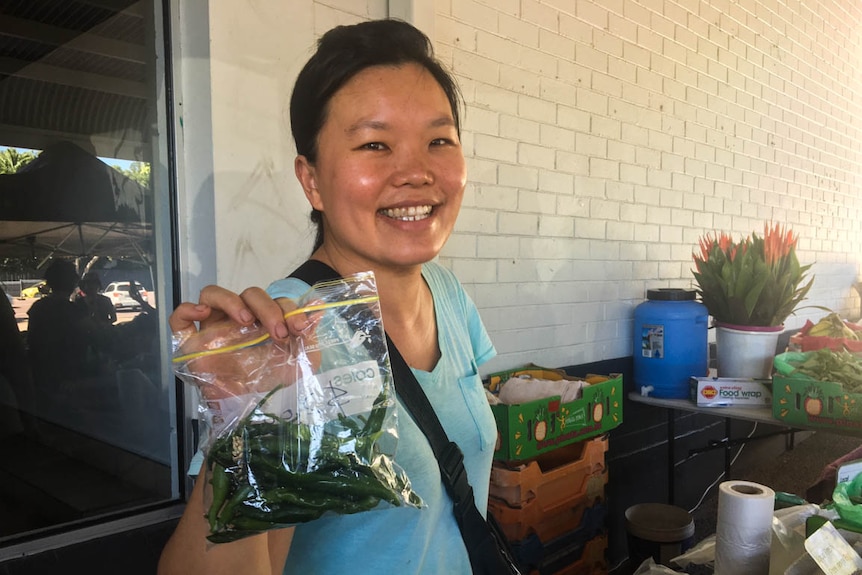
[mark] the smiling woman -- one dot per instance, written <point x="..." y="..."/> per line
<point x="401" y="159"/>
<point x="376" y="124"/>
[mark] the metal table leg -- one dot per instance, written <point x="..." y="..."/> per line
<point x="728" y="459"/>
<point x="671" y="456"/>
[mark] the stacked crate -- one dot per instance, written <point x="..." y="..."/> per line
<point x="552" y="508"/>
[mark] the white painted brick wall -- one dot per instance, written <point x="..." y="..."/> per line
<point x="604" y="138"/>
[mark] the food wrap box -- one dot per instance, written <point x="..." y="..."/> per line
<point x="529" y="429"/>
<point x="726" y="391"/>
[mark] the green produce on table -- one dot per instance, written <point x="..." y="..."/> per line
<point x="840" y="367"/>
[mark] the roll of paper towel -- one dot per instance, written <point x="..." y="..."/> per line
<point x="744" y="528"/>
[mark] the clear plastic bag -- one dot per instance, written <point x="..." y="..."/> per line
<point x="302" y="429"/>
<point x="703" y="553"/>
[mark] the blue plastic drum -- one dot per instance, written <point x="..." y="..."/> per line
<point x="670" y="342"/>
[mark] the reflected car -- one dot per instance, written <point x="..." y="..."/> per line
<point x="35" y="290"/>
<point x="118" y="292"/>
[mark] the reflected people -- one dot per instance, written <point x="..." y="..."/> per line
<point x="59" y="334"/>
<point x="95" y="305"/>
<point x="136" y="342"/>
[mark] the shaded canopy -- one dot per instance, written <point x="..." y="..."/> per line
<point x="68" y="202"/>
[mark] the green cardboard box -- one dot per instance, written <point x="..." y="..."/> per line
<point x="800" y="399"/>
<point x="815" y="404"/>
<point x="530" y="429"/>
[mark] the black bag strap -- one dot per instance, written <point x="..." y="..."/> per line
<point x="485" y="542"/>
<point x="483" y="538"/>
<point x="314" y="271"/>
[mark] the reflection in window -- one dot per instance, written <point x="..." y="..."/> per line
<point x="84" y="406"/>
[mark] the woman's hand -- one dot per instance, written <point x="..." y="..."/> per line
<point x="226" y="320"/>
<point x="217" y="303"/>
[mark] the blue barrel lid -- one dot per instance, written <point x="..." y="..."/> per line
<point x="671" y="294"/>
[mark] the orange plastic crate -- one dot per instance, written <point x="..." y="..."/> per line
<point x="591" y="560"/>
<point x="548" y="521"/>
<point x="533" y="553"/>
<point x="551" y="478"/>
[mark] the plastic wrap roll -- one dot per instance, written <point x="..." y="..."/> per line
<point x="743" y="534"/>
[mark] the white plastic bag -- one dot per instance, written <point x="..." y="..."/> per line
<point x="650" y="567"/>
<point x="523" y="389"/>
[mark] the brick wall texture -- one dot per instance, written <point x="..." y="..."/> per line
<point x="605" y="137"/>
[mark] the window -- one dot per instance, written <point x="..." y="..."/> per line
<point x="87" y="404"/>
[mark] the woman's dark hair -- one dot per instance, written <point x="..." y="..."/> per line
<point x="342" y="53"/>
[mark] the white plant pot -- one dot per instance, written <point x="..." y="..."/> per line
<point x="746" y="351"/>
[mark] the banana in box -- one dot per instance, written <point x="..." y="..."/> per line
<point x="829" y="332"/>
<point x="725" y="391"/>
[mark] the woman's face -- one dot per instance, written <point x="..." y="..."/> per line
<point x="390" y="173"/>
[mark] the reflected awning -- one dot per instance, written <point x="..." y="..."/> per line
<point x="68" y="202"/>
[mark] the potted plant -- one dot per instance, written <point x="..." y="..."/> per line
<point x="750" y="286"/>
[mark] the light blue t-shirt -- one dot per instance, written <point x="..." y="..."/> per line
<point x="407" y="540"/>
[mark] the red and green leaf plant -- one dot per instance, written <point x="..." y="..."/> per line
<point x="756" y="281"/>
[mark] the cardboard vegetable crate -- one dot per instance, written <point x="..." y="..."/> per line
<point x="551" y="478"/>
<point x="799" y="397"/>
<point x="529" y="429"/>
<point x="815" y="404"/>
